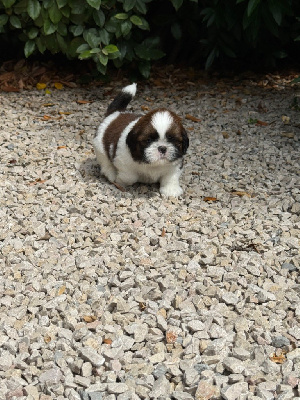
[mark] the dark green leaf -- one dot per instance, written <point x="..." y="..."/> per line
<point x="211" y="57"/>
<point x="121" y="16"/>
<point x="111" y="25"/>
<point x="49" y="27"/>
<point x="103" y="59"/>
<point x="62" y="29"/>
<point x="92" y="39"/>
<point x="40" y="45"/>
<point x="148" y="53"/>
<point x="252" y="6"/>
<point x="118" y="63"/>
<point x="77" y="30"/>
<point x="126" y="27"/>
<point x="99" y="18"/>
<point x="47" y="4"/>
<point x="246" y="21"/>
<point x="82" y="48"/>
<point x="33" y="9"/>
<point x="55" y="14"/>
<point x="113" y="56"/>
<point x="65" y="11"/>
<point x="62" y="43"/>
<point x="123" y="49"/>
<point x="297" y="39"/>
<point x="94" y="3"/>
<point x="29" y="48"/>
<point x="128" y="5"/>
<point x="276" y="12"/>
<point x="296" y="80"/>
<point x="280" y="54"/>
<point x="136" y="20"/>
<point x="3" y="19"/>
<point x="77" y="6"/>
<point x="33" y="32"/>
<point x="110" y="49"/>
<point x="74" y="45"/>
<point x="104" y="36"/>
<point x="20" y="7"/>
<point x="101" y="68"/>
<point x="177" y="4"/>
<point x="61" y="3"/>
<point x="78" y="19"/>
<point x="144" y="68"/>
<point x="239" y="1"/>
<point x="15" y="21"/>
<point x="151" y="42"/>
<point x="84" y="55"/>
<point x="95" y="50"/>
<point x="253" y="30"/>
<point x="51" y="43"/>
<point x="228" y="51"/>
<point x="145" y="25"/>
<point x="176" y="31"/>
<point x="8" y="3"/>
<point x="141" y="6"/>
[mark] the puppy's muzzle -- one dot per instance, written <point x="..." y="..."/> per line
<point x="162" y="149"/>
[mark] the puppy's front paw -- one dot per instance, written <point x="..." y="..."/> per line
<point x="171" y="191"/>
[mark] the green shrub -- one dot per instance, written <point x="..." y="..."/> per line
<point x="101" y="30"/>
<point x="263" y="30"/>
<point x="140" y="31"/>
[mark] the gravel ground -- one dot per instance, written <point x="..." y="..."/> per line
<point x="111" y="295"/>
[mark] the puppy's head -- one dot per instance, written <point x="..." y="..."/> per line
<point x="158" y="138"/>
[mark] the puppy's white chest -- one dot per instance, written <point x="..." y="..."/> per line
<point x="150" y="175"/>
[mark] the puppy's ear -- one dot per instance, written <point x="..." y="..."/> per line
<point x="133" y="145"/>
<point x="131" y="139"/>
<point x="185" y="141"/>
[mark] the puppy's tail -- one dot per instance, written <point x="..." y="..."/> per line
<point x="122" y="100"/>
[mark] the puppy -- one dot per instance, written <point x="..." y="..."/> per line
<point x="141" y="148"/>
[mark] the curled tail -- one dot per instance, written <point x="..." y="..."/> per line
<point x="122" y="100"/>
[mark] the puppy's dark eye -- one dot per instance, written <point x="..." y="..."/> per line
<point x="171" y="138"/>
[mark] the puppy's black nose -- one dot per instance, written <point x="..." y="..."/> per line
<point x="162" y="149"/>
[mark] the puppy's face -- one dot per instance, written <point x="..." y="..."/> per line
<point x="158" y="138"/>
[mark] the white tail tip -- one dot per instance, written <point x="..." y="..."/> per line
<point x="131" y="89"/>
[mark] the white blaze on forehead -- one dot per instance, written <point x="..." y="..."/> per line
<point x="161" y="122"/>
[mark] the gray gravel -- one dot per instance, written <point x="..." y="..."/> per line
<point x="110" y="295"/>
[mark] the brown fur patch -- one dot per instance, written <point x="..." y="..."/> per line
<point x="114" y="130"/>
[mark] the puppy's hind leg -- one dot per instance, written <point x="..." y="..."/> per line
<point x="126" y="178"/>
<point x="107" y="168"/>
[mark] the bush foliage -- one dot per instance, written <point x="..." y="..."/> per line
<point x="140" y="31"/>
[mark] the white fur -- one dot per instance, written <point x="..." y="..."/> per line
<point x="161" y="122"/>
<point x="125" y="171"/>
<point x="131" y="89"/>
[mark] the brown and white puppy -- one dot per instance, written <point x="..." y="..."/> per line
<point x="133" y="148"/>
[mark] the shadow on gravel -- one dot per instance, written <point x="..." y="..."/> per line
<point x="90" y="172"/>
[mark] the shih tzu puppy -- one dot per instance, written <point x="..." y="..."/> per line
<point x="141" y="148"/>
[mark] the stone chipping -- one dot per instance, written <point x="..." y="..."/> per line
<point x="117" y="295"/>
